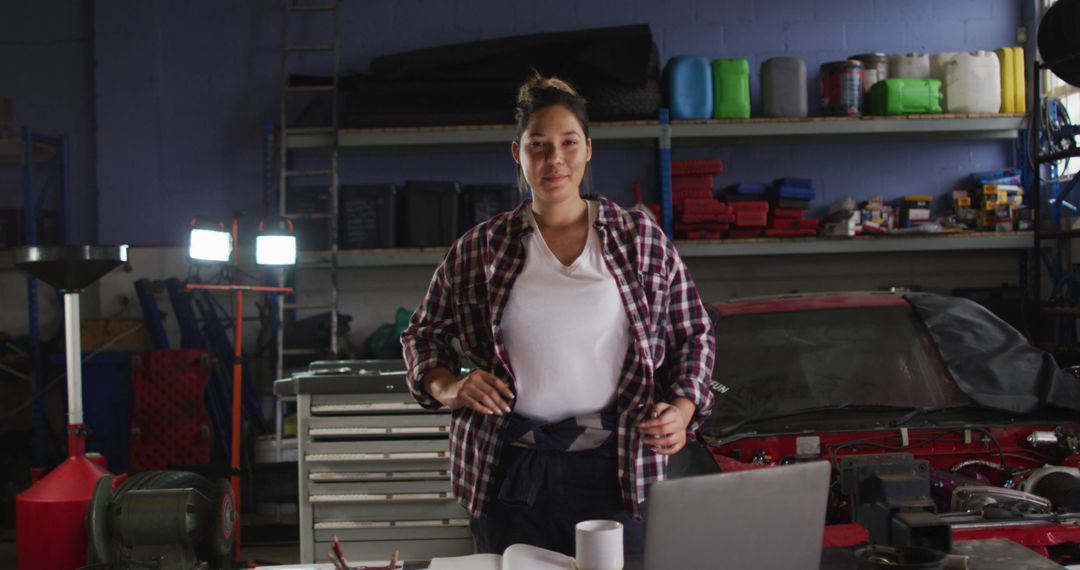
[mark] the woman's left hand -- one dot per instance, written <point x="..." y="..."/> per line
<point x="665" y="430"/>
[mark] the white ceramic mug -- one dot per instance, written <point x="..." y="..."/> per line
<point x="598" y="545"/>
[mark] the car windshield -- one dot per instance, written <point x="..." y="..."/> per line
<point x="771" y="364"/>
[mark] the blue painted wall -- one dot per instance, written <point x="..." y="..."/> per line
<point x="46" y="67"/>
<point x="183" y="89"/>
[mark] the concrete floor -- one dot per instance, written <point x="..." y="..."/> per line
<point x="265" y="555"/>
<point x="260" y="555"/>
<point x="7" y="548"/>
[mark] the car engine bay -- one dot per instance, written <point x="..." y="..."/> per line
<point x="929" y="486"/>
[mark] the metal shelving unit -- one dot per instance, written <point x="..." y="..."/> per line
<point x="758" y="130"/>
<point x="976" y="126"/>
<point x="1053" y="243"/>
<point x="27" y="151"/>
<point x="969" y="241"/>
<point x="12" y="151"/>
<point x="984" y="241"/>
<point x="969" y="126"/>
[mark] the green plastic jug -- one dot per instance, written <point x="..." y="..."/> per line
<point x="906" y="97"/>
<point x="731" y="89"/>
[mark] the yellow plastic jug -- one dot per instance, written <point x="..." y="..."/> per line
<point x="1019" y="83"/>
<point x="1008" y="87"/>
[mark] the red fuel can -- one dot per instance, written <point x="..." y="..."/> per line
<point x="49" y="527"/>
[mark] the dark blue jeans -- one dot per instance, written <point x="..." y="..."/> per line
<point x="573" y="487"/>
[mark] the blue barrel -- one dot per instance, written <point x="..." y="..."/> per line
<point x="690" y="88"/>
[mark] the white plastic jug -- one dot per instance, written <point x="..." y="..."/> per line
<point x="937" y="64"/>
<point x="970" y="81"/>
<point x="909" y="65"/>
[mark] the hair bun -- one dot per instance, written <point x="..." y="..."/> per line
<point x="529" y="90"/>
<point x="538" y="92"/>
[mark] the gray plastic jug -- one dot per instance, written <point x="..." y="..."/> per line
<point x="783" y="87"/>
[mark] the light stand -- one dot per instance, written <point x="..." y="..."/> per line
<point x="238" y="342"/>
<point x="238" y="371"/>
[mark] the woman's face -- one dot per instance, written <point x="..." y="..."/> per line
<point x="553" y="152"/>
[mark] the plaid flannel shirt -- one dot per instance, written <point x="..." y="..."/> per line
<point x="465" y="302"/>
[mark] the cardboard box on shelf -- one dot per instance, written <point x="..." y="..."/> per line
<point x="118" y="334"/>
<point x="964" y="210"/>
<point x="843" y="226"/>
<point x="876" y="216"/>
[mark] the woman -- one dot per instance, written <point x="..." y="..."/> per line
<point x="592" y="349"/>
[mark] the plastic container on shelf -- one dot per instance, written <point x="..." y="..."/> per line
<point x="731" y="89"/>
<point x="1019" y="80"/>
<point x="937" y="64"/>
<point x="841" y="88"/>
<point x="1008" y="85"/>
<point x="970" y="81"/>
<point x="875" y="68"/>
<point x="909" y="66"/>
<point x="906" y="96"/>
<point x="783" y="87"/>
<point x="690" y="87"/>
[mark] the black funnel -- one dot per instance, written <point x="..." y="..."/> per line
<point x="69" y="267"/>
<point x="1059" y="40"/>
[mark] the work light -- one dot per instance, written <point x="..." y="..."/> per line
<point x="209" y="241"/>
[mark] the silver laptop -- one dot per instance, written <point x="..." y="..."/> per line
<point x="770" y="518"/>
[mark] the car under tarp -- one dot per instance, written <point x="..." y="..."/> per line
<point x="992" y="362"/>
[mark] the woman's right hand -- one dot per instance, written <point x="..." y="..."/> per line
<point x="478" y="390"/>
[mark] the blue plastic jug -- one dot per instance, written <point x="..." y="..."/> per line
<point x="690" y="88"/>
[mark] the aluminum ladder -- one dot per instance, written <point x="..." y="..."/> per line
<point x="321" y="163"/>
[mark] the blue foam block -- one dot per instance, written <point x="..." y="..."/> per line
<point x="795" y="193"/>
<point x="746" y="189"/>
<point x="794" y="182"/>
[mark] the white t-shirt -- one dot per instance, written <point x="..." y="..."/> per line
<point x="566" y="330"/>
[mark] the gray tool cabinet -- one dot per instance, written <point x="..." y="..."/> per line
<point x="373" y="465"/>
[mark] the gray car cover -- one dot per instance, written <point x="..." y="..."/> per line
<point x="992" y="362"/>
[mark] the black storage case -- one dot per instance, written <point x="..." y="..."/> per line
<point x="367" y="216"/>
<point x="429" y="213"/>
<point x="482" y="201"/>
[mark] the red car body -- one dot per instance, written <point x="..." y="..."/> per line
<point x="808" y="336"/>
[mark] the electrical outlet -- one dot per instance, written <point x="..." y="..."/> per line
<point x="1021" y="35"/>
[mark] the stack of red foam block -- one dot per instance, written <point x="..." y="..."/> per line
<point x="698" y="214"/>
<point x="703" y="218"/>
<point x="791" y="198"/>
<point x="751" y="218"/>
<point x="789" y="222"/>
